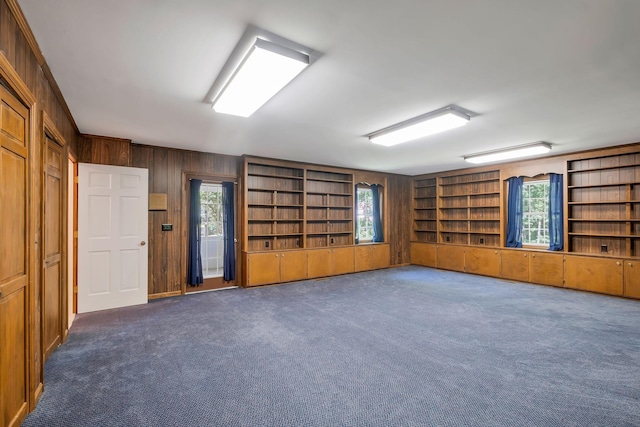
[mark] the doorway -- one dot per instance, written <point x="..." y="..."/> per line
<point x="212" y="236"/>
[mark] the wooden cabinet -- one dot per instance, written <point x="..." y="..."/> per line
<point x="268" y="267"/>
<point x="515" y="265"/>
<point x="450" y="257"/>
<point x="604" y="205"/>
<point x="603" y="275"/>
<point x="546" y="268"/>
<point x="372" y="256"/>
<point x="423" y="254"/>
<point x="632" y="279"/>
<point x="425" y="219"/>
<point x="482" y="261"/>
<point x="330" y="262"/>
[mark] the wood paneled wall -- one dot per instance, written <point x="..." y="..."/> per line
<point x="399" y="195"/>
<point x="167" y="170"/>
<point x="20" y="49"/>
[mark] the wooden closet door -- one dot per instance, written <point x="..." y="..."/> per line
<point x="14" y="259"/>
<point x="53" y="293"/>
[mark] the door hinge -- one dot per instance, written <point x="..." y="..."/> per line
<point x="75" y="289"/>
<point x="75" y="234"/>
<point x="75" y="180"/>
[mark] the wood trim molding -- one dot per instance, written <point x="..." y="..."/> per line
<point x="21" y="20"/>
<point x="109" y="138"/>
<point x="50" y="127"/>
<point x="8" y="73"/>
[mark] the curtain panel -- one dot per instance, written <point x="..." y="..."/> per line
<point x="514" y="212"/>
<point x="194" y="268"/>
<point x="378" y="232"/>
<point x="228" y="214"/>
<point x="556" y="217"/>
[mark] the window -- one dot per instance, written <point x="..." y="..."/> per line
<point x="365" y="215"/>
<point x="211" y="230"/>
<point x="535" y="213"/>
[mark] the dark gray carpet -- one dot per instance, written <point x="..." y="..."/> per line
<point x="403" y="347"/>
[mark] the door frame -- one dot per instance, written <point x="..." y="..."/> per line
<point x="49" y="128"/>
<point x="35" y="365"/>
<point x="184" y="232"/>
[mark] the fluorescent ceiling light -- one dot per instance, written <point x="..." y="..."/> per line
<point x="446" y="118"/>
<point x="510" y="153"/>
<point x="264" y="71"/>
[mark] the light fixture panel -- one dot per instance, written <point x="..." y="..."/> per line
<point x="509" y="153"/>
<point x="257" y="70"/>
<point x="437" y="121"/>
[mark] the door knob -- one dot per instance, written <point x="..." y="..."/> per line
<point x="143" y="243"/>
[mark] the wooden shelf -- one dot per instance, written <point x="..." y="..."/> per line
<point x="603" y="168"/>
<point x="615" y="236"/>
<point x="275" y="235"/>
<point x="475" y="181"/>
<point x="604" y="220"/>
<point x="274" y="205"/>
<point x="622" y="184"/>
<point x="326" y="193"/>
<point x="612" y="202"/>
<point x="267" y="175"/>
<point x="329" y="180"/>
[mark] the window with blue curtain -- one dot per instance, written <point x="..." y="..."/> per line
<point x="228" y="214"/>
<point x="514" y="212"/>
<point x="194" y="267"/>
<point x="556" y="217"/>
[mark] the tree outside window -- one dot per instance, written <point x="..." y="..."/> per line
<point x="365" y="214"/>
<point x="535" y="213"/>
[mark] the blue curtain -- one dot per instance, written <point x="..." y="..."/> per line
<point x="194" y="269"/>
<point x="514" y="212"/>
<point x="355" y="215"/>
<point x="378" y="233"/>
<point x="228" y="213"/>
<point x="556" y="218"/>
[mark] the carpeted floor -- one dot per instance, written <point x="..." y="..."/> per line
<point x="410" y="346"/>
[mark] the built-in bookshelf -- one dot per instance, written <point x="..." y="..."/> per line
<point x="469" y="209"/>
<point x="604" y="205"/>
<point x="329" y="209"/>
<point x="290" y="207"/>
<point x="425" y="210"/>
<point x="275" y="207"/>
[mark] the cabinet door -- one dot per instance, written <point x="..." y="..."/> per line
<point x="293" y="266"/>
<point x="546" y="268"/>
<point x="450" y="257"/>
<point x="514" y="265"/>
<point x="263" y="268"/>
<point x="632" y="279"/>
<point x="423" y="254"/>
<point x="482" y="261"/>
<point x="343" y="260"/>
<point x="364" y="258"/>
<point x="381" y="256"/>
<point x="593" y="274"/>
<point x="318" y="263"/>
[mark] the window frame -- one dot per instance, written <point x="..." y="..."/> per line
<point x="541" y="179"/>
<point x="363" y="187"/>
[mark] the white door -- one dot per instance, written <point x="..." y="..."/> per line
<point x="112" y="236"/>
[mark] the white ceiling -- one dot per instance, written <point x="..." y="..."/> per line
<point x="567" y="72"/>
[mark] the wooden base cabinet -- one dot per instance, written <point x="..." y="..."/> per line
<point x="450" y="257"/>
<point x="514" y="265"/>
<point x="330" y="262"/>
<point x="372" y="256"/>
<point x="275" y="267"/>
<point x="546" y="268"/>
<point x="423" y="254"/>
<point x="632" y="279"/>
<point x="482" y="261"/>
<point x="603" y="275"/>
